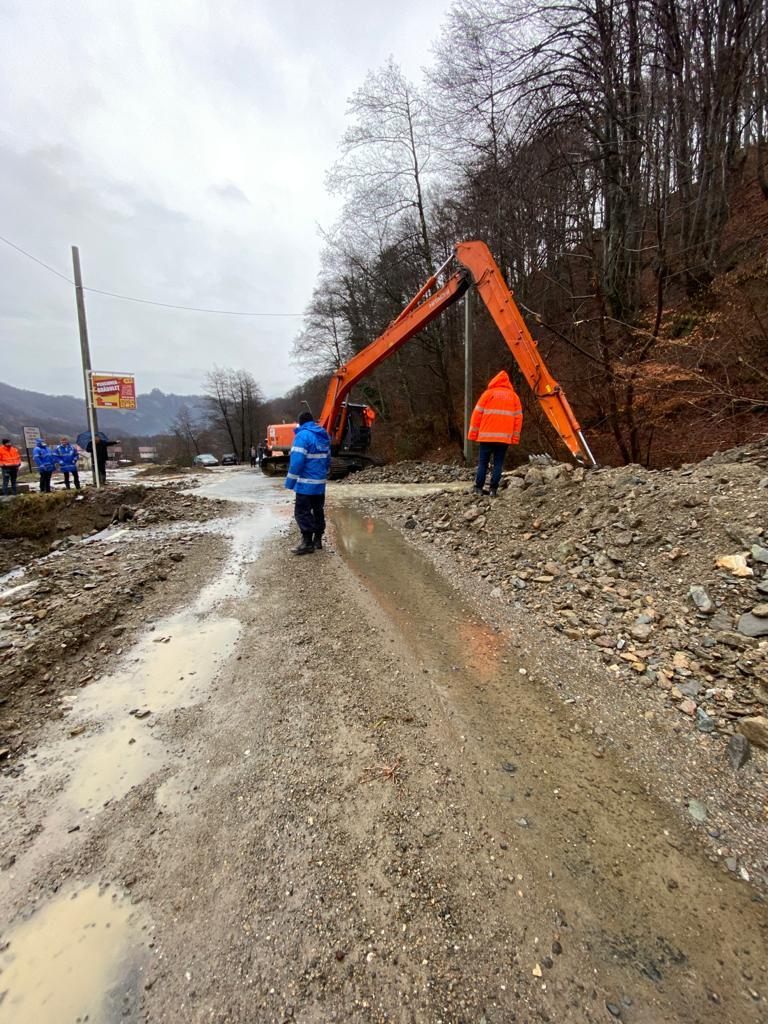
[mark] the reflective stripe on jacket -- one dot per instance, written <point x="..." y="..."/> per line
<point x="9" y="456"/>
<point x="310" y="460"/>
<point x="498" y="415"/>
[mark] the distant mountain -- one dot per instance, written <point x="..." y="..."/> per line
<point x="64" y="414"/>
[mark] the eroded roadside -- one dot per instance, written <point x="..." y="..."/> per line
<point x="365" y="811"/>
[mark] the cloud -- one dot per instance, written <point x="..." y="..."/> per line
<point x="182" y="147"/>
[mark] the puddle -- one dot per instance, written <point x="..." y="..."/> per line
<point x="117" y="750"/>
<point x="74" y="959"/>
<point x="625" y="867"/>
<point x="349" y="492"/>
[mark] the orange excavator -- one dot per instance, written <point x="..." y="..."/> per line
<point x="349" y="425"/>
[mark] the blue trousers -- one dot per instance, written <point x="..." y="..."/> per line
<point x="498" y="450"/>
<point x="309" y="513"/>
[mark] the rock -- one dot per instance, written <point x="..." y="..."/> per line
<point x="759" y="553"/>
<point x="736" y="565"/>
<point x="641" y="631"/>
<point x="697" y="810"/>
<point x="687" y="706"/>
<point x="738" y="750"/>
<point x="751" y="625"/>
<point x="703" y="722"/>
<point x="613" y="1009"/>
<point x="761" y="611"/>
<point x="690" y="689"/>
<point x="756" y="730"/>
<point x="410" y="524"/>
<point x="701" y="599"/>
<point x="762" y="586"/>
<point x="176" y="556"/>
<point x="721" y="621"/>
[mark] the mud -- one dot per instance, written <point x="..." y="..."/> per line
<point x="76" y="958"/>
<point x="638" y="891"/>
<point x="367" y="808"/>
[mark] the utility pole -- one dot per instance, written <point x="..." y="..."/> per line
<point x="468" y="326"/>
<point x="85" y="353"/>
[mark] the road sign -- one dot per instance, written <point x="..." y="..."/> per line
<point x="113" y="391"/>
<point x="31" y="434"/>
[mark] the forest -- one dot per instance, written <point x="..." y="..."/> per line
<point x="612" y="154"/>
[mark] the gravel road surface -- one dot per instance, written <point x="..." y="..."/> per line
<point x="325" y="789"/>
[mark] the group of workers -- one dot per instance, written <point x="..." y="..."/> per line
<point x="496" y="423"/>
<point x="63" y="458"/>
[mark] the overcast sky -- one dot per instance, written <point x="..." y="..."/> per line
<point x="182" y="144"/>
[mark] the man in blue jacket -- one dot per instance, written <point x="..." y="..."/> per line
<point x="307" y="473"/>
<point x="45" y="463"/>
<point x="67" y="455"/>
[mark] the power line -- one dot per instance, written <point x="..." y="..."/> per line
<point x="173" y="305"/>
<point x="36" y="260"/>
<point x="146" y="302"/>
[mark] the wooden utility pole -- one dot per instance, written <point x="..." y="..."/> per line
<point x="468" y="326"/>
<point x="85" y="353"/>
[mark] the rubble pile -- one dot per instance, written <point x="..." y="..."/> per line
<point x="411" y="472"/>
<point x="35" y="525"/>
<point x="663" y="573"/>
<point x="64" y="619"/>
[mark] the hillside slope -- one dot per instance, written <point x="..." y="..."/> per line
<point x="65" y="414"/>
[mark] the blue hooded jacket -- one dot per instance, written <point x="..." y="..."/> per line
<point x="66" y="456"/>
<point x="310" y="460"/>
<point x="43" y="456"/>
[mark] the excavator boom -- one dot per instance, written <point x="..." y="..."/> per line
<point x="477" y="267"/>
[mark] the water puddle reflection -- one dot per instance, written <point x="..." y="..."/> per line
<point x="76" y="958"/>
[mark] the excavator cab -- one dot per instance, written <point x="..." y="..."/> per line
<point x="353" y="427"/>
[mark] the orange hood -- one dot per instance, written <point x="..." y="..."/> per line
<point x="501" y="380"/>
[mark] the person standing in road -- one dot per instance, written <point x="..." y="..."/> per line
<point x="66" y="456"/>
<point x="252" y="455"/>
<point x="496" y="423"/>
<point x="102" y="453"/>
<point x="45" y="462"/>
<point x="10" y="460"/>
<point x="307" y="472"/>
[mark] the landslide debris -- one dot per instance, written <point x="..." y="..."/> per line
<point x="66" y="613"/>
<point x="35" y="524"/>
<point x="664" y="573"/>
<point x="411" y="472"/>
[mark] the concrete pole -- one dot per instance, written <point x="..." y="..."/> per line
<point x="85" y="354"/>
<point x="468" y="404"/>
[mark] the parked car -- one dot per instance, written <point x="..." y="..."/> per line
<point x="205" y="460"/>
<point x="229" y="459"/>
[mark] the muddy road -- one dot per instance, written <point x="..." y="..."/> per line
<point x="324" y="789"/>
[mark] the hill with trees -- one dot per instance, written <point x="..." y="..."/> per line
<point x="613" y="158"/>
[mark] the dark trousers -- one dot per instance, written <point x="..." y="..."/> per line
<point x="498" y="450"/>
<point x="309" y="513"/>
<point x="102" y="468"/>
<point x="45" y="481"/>
<point x="75" y="477"/>
<point x="9" y="479"/>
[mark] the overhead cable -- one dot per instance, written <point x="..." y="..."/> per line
<point x="146" y="302"/>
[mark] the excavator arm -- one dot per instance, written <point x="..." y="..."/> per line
<point x="477" y="267"/>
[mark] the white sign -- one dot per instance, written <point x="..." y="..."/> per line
<point x="31" y="434"/>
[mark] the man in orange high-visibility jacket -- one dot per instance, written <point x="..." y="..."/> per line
<point x="496" y="423"/>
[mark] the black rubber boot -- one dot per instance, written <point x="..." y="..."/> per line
<point x="318" y="541"/>
<point x="477" y="490"/>
<point x="494" y="492"/>
<point x="306" y="547"/>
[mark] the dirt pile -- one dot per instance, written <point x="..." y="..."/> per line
<point x="35" y="524"/>
<point x="411" y="472"/>
<point x="664" y="573"/>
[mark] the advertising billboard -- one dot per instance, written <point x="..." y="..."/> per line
<point x="113" y="391"/>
